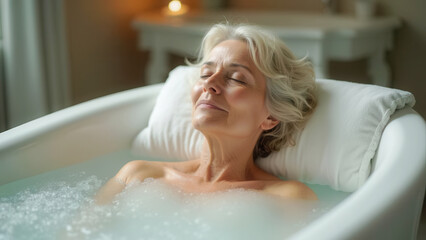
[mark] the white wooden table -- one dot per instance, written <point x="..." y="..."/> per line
<point x="321" y="37"/>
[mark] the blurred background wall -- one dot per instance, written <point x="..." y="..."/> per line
<point x="103" y="54"/>
<point x="104" y="58"/>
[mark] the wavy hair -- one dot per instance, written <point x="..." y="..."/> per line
<point x="290" y="82"/>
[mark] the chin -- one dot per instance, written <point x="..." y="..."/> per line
<point x="208" y="125"/>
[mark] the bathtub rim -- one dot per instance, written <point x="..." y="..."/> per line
<point x="37" y="157"/>
<point x="356" y="223"/>
<point x="359" y="200"/>
<point x="50" y="122"/>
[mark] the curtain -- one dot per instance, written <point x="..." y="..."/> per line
<point x="35" y="79"/>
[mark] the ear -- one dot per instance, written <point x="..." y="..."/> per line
<point x="269" y="123"/>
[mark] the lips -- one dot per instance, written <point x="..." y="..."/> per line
<point x="209" y="105"/>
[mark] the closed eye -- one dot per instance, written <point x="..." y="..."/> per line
<point x="238" y="81"/>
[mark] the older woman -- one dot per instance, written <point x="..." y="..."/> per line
<point x="251" y="98"/>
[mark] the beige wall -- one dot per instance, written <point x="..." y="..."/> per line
<point x="104" y="57"/>
<point x="103" y="53"/>
<point x="408" y="58"/>
<point x="300" y="5"/>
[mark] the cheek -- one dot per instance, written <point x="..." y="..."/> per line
<point x="242" y="98"/>
<point x="196" y="92"/>
<point x="248" y="105"/>
<point x="237" y="96"/>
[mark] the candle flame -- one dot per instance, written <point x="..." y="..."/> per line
<point x="175" y="6"/>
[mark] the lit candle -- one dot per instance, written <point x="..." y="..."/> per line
<point x="175" y="8"/>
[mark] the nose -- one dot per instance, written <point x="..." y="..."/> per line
<point x="212" y="84"/>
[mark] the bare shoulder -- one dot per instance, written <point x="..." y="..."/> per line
<point x="291" y="190"/>
<point x="140" y="170"/>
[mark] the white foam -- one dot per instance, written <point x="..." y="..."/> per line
<point x="154" y="210"/>
<point x="36" y="213"/>
<point x="57" y="207"/>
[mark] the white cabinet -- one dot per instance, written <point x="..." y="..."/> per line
<point x="321" y="37"/>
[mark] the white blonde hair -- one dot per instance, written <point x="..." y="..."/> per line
<point x="290" y="82"/>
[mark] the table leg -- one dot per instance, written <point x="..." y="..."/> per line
<point x="378" y="69"/>
<point x="158" y="66"/>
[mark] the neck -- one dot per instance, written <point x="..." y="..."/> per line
<point x="225" y="159"/>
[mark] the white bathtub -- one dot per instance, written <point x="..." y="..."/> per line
<point x="388" y="206"/>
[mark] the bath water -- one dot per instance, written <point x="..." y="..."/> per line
<point x="59" y="205"/>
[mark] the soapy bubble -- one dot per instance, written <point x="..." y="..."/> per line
<point x="152" y="209"/>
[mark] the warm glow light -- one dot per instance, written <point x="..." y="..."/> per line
<point x="175" y="6"/>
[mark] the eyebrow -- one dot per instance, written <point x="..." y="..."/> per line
<point x="210" y="63"/>
<point x="240" y="65"/>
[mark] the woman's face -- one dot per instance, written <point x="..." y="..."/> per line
<point x="229" y="97"/>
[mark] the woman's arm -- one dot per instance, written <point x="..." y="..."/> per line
<point x="291" y="190"/>
<point x="131" y="171"/>
<point x="107" y="193"/>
